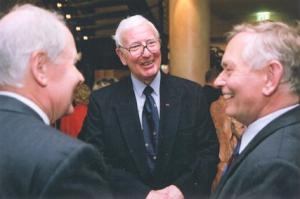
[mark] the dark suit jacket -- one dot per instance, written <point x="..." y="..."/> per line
<point x="37" y="161"/>
<point x="187" y="149"/>
<point x="269" y="167"/>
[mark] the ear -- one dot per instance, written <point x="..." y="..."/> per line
<point x="38" y="66"/>
<point x="121" y="55"/>
<point x="274" y="75"/>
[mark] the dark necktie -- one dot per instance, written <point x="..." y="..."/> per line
<point x="234" y="155"/>
<point x="150" y="121"/>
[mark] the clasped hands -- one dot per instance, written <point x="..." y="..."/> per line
<point x="170" y="192"/>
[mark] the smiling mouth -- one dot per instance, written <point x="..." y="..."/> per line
<point x="227" y="96"/>
<point x="148" y="63"/>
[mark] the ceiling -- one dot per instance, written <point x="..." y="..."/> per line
<point x="226" y="13"/>
<point x="98" y="20"/>
<point x="241" y="8"/>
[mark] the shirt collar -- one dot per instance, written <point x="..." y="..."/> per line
<point x="29" y="103"/>
<point x="139" y="86"/>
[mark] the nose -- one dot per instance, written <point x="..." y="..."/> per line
<point x="219" y="81"/>
<point x="146" y="52"/>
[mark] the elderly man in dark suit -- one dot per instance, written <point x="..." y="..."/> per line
<point x="37" y="80"/>
<point x="160" y="144"/>
<point x="261" y="86"/>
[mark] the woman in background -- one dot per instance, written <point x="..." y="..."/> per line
<point x="71" y="124"/>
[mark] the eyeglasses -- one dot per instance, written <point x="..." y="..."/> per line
<point x="138" y="49"/>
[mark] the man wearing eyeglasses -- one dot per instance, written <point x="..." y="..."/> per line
<point x="153" y="129"/>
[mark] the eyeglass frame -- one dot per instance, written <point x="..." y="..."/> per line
<point x="141" y="44"/>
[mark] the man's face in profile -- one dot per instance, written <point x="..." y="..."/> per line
<point x="63" y="80"/>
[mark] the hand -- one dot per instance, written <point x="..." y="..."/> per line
<point x="156" y="195"/>
<point x="172" y="192"/>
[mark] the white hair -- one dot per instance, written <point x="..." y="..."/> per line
<point x="131" y="23"/>
<point x="273" y="41"/>
<point x="24" y="30"/>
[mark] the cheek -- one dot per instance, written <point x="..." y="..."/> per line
<point x="67" y="100"/>
<point x="245" y="101"/>
<point x="158" y="57"/>
<point x="124" y="60"/>
<point x="239" y="83"/>
<point x="132" y="64"/>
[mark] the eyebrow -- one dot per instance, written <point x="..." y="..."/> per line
<point x="227" y="63"/>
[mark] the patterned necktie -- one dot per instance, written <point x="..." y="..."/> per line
<point x="150" y="122"/>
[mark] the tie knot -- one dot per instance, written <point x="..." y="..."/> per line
<point x="148" y="90"/>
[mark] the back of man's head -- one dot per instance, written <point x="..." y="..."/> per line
<point x="24" y="30"/>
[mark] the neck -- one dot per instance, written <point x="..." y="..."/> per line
<point x="274" y="104"/>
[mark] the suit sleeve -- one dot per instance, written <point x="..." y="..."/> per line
<point x="198" y="177"/>
<point x="122" y="182"/>
<point x="80" y="173"/>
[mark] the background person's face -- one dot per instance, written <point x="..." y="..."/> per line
<point x="146" y="66"/>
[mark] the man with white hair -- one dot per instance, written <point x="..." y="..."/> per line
<point x="261" y="87"/>
<point x="154" y="130"/>
<point x="37" y="79"/>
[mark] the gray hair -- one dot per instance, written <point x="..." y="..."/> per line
<point x="130" y="23"/>
<point x="273" y="41"/>
<point x="24" y="30"/>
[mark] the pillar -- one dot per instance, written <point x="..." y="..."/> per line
<point x="189" y="38"/>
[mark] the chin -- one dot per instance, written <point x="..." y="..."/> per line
<point x="151" y="73"/>
<point x="70" y="110"/>
<point x="229" y="112"/>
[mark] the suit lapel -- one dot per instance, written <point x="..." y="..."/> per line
<point x="289" y="118"/>
<point x="170" y="99"/>
<point x="127" y="112"/>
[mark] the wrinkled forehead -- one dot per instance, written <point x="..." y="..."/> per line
<point x="240" y="40"/>
<point x="236" y="45"/>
